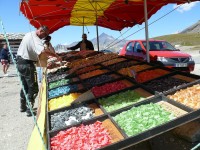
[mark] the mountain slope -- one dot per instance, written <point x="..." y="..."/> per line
<point x="108" y="42"/>
<point x="186" y="39"/>
<point x="195" y="28"/>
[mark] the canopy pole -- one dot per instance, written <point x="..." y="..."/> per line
<point x="83" y="25"/>
<point x="97" y="29"/>
<point x="146" y="30"/>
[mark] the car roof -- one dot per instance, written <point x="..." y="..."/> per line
<point x="145" y="40"/>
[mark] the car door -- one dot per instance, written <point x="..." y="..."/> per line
<point x="129" y="49"/>
<point x="138" y="52"/>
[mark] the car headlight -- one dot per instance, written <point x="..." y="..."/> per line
<point x="190" y="59"/>
<point x="162" y="59"/>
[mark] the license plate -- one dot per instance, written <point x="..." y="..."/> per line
<point x="181" y="65"/>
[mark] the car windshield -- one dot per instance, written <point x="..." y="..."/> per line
<point x="159" y="46"/>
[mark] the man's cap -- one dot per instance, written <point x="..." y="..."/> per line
<point x="45" y="28"/>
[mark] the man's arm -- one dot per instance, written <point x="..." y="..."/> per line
<point x="75" y="47"/>
<point x="50" y="53"/>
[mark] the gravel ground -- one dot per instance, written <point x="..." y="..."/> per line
<point x="16" y="127"/>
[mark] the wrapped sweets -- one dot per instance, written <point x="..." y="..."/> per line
<point x="62" y="101"/>
<point x="107" y="88"/>
<point x="87" y="69"/>
<point x="59" y="83"/>
<point x="92" y="73"/>
<point x="165" y="84"/>
<point x="120" y="65"/>
<point x="127" y="71"/>
<point x="56" y="77"/>
<point x="141" y="118"/>
<point x="113" y="61"/>
<point x="120" y="100"/>
<point x="97" y="80"/>
<point x="62" y="90"/>
<point x="84" y="137"/>
<point x="71" y="116"/>
<point x="189" y="96"/>
<point x="149" y="75"/>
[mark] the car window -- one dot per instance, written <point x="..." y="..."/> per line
<point x="159" y="45"/>
<point x="137" y="46"/>
<point x="129" y="47"/>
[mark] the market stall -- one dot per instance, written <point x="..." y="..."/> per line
<point x="122" y="101"/>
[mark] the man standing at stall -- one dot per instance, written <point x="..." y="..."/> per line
<point x="29" y="50"/>
<point x="83" y="45"/>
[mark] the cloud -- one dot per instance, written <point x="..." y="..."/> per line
<point x="185" y="7"/>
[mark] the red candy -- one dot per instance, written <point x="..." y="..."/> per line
<point x="89" y="137"/>
<point x="108" y="88"/>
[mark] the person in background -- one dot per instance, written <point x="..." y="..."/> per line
<point x="83" y="45"/>
<point x="31" y="47"/>
<point x="4" y="56"/>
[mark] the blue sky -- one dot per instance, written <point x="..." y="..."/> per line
<point x="14" y="22"/>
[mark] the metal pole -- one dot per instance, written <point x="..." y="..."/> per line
<point x="146" y="30"/>
<point x="97" y="32"/>
<point x="83" y="25"/>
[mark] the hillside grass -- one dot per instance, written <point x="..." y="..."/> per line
<point x="186" y="39"/>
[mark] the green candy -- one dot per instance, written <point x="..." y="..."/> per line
<point x="58" y="83"/>
<point x="142" y="118"/>
<point x="120" y="100"/>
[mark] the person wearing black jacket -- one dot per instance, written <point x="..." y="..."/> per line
<point x="83" y="45"/>
<point x="4" y="56"/>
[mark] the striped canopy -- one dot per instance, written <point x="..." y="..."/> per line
<point x="112" y="14"/>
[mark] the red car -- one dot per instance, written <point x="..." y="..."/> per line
<point x="161" y="52"/>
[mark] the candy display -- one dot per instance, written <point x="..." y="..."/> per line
<point x="120" y="65"/>
<point x="57" y="70"/>
<point x="111" y="107"/>
<point x="86" y="53"/>
<point x="108" y="88"/>
<point x="62" y="101"/>
<point x="189" y="96"/>
<point x="97" y="80"/>
<point x="120" y="100"/>
<point x="56" y="77"/>
<point x="92" y="73"/>
<point x="70" y="117"/>
<point x="165" y="84"/>
<point x="62" y="90"/>
<point x="130" y="71"/>
<point x="150" y="74"/>
<point x="93" y="60"/>
<point x="59" y="83"/>
<point x="142" y="118"/>
<point x="113" y="61"/>
<point x="86" y="137"/>
<point x="87" y="69"/>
